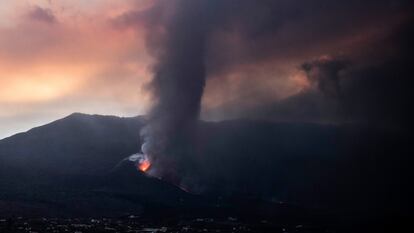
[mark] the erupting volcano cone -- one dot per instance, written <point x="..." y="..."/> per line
<point x="144" y="165"/>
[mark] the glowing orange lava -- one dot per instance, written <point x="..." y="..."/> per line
<point x="144" y="165"/>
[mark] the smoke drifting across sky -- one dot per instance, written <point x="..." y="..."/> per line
<point x="57" y="57"/>
<point x="329" y="46"/>
<point x="177" y="84"/>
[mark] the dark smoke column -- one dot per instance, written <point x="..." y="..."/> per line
<point x="177" y="41"/>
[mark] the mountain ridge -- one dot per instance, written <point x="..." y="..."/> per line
<point x="310" y="164"/>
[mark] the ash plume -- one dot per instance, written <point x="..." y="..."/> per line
<point x="191" y="40"/>
<point x="177" y="85"/>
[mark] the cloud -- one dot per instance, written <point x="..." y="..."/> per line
<point x="40" y="14"/>
<point x="296" y="35"/>
<point x="54" y="56"/>
<point x="373" y="91"/>
<point x="324" y="73"/>
<point x="254" y="51"/>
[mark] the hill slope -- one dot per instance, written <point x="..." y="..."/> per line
<point x="67" y="167"/>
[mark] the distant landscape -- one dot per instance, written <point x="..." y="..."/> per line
<point x="72" y="168"/>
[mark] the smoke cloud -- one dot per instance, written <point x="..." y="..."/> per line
<point x="177" y="85"/>
<point x="208" y="44"/>
<point x="324" y="73"/>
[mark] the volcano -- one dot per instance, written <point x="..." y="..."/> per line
<point x="69" y="168"/>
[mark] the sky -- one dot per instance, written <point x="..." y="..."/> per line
<point x="59" y="57"/>
<point x="278" y="60"/>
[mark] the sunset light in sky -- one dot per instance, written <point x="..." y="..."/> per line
<point x="60" y="57"/>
